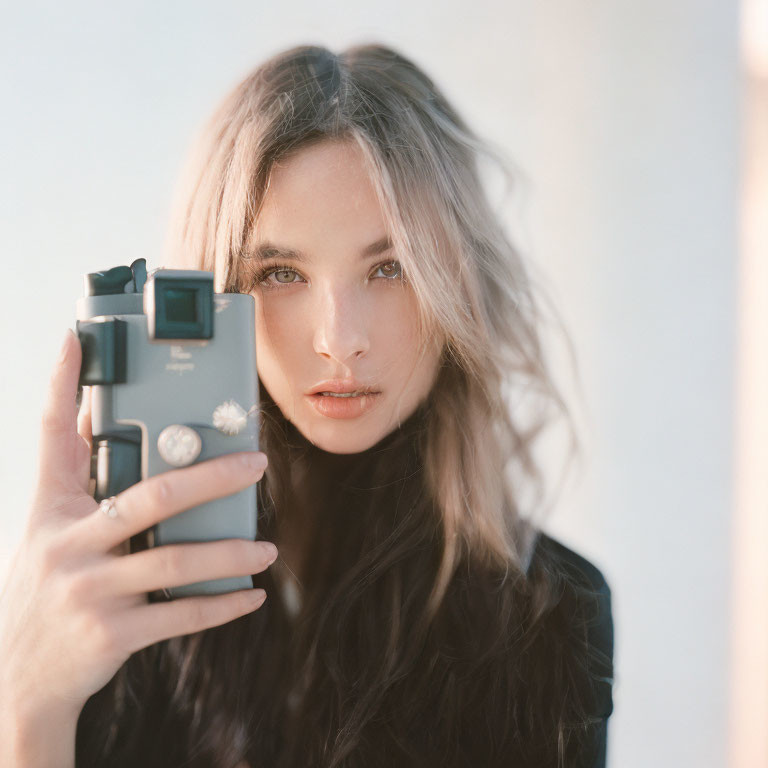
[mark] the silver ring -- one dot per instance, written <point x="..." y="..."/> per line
<point x="108" y="507"/>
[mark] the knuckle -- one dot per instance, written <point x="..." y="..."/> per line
<point x="172" y="563"/>
<point x="100" y="634"/>
<point x="53" y="420"/>
<point x="197" y="614"/>
<point x="159" y="491"/>
<point x="80" y="587"/>
<point x="52" y="552"/>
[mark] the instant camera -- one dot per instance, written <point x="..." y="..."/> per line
<point x="172" y="371"/>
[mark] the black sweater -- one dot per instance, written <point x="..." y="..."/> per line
<point x="600" y="635"/>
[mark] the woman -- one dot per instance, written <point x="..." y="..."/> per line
<point x="414" y="617"/>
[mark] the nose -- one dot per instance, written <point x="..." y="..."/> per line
<point x="341" y="332"/>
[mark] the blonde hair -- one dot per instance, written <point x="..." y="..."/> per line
<point x="472" y="285"/>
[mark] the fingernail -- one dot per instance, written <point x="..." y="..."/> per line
<point x="271" y="551"/>
<point x="258" y="597"/>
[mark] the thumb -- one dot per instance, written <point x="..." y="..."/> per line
<point x="85" y="430"/>
<point x="61" y="450"/>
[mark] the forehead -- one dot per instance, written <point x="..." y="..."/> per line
<point x="323" y="190"/>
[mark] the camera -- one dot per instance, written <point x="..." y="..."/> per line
<point x="172" y="370"/>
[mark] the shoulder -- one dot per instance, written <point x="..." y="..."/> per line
<point x="595" y="601"/>
<point x="578" y="567"/>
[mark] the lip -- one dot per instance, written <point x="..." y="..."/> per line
<point x="343" y="407"/>
<point x="342" y="386"/>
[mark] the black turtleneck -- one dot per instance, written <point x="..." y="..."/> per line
<point x="327" y="486"/>
<point x="391" y="449"/>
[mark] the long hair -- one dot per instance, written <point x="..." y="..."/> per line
<point x="438" y="629"/>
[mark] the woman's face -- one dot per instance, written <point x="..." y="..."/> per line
<point x="331" y="305"/>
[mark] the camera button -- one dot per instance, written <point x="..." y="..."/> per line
<point x="179" y="445"/>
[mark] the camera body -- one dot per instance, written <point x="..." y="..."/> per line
<point x="172" y="370"/>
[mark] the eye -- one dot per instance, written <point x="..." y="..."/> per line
<point x="282" y="272"/>
<point x="391" y="270"/>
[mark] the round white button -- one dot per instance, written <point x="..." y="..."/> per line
<point x="179" y="445"/>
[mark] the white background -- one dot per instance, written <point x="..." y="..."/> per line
<point x="623" y="119"/>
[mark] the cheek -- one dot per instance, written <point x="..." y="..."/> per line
<point x="394" y="327"/>
<point x="279" y="339"/>
<point x="274" y="325"/>
<point x="416" y="361"/>
<point x="283" y="324"/>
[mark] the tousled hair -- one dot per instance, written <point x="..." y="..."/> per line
<point x="438" y="628"/>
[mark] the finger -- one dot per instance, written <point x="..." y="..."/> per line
<point x="84" y="426"/>
<point x="85" y="430"/>
<point x="154" y="622"/>
<point x="157" y="498"/>
<point x="175" y="565"/>
<point x="59" y="452"/>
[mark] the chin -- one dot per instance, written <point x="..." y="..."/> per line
<point x="343" y="437"/>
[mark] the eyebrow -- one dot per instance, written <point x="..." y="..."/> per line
<point x="267" y="250"/>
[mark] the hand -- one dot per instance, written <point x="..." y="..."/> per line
<point x="75" y="605"/>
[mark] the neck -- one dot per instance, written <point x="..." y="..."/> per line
<point x="324" y="484"/>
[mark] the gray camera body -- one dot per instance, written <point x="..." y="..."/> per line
<point x="172" y="371"/>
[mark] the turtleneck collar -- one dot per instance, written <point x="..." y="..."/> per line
<point x="396" y="440"/>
